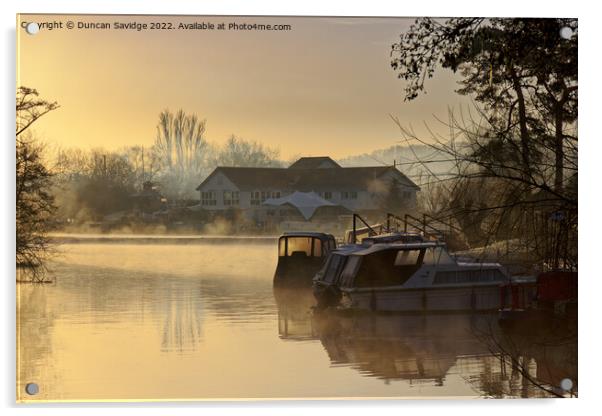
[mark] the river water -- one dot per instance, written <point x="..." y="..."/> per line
<point x="198" y="319"/>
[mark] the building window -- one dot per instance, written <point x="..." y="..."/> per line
<point x="327" y="195"/>
<point x="258" y="197"/>
<point x="255" y="198"/>
<point x="349" y="195"/>
<point x="208" y="198"/>
<point x="231" y="198"/>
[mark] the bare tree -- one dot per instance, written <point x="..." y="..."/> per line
<point x="95" y="183"/>
<point x="239" y="152"/>
<point x="34" y="202"/>
<point x="180" y="146"/>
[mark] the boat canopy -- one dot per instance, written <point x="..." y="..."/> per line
<point x="305" y="244"/>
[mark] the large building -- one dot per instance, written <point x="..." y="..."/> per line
<point x="358" y="189"/>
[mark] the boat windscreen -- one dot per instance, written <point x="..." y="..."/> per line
<point x="437" y="255"/>
<point x="406" y="257"/>
<point x="317" y="247"/>
<point x="299" y="246"/>
<point x="333" y="268"/>
<point x="330" y="244"/>
<point x="444" y="257"/>
<point x="388" y="268"/>
<point x="349" y="271"/>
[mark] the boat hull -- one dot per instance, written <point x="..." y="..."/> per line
<point x="293" y="272"/>
<point x="447" y="299"/>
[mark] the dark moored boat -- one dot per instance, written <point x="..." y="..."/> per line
<point x="549" y="299"/>
<point x="300" y="256"/>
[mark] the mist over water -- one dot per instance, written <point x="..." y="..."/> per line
<point x="200" y="319"/>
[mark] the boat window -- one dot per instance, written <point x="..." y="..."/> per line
<point x="430" y="259"/>
<point x="469" y="276"/>
<point x="388" y="267"/>
<point x="437" y="255"/>
<point x="282" y="247"/>
<point x="443" y="256"/>
<point x="317" y="247"/>
<point x="349" y="271"/>
<point x="331" y="244"/>
<point x="299" y="246"/>
<point x="333" y="268"/>
<point x="406" y="257"/>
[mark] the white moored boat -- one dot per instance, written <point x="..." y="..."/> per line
<point x="407" y="277"/>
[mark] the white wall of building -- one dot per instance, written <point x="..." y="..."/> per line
<point x="357" y="199"/>
<point x="218" y="183"/>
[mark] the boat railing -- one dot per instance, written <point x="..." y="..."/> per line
<point x="370" y="230"/>
<point x="394" y="223"/>
<point x="422" y="225"/>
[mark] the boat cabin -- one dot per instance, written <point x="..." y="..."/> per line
<point x="300" y="256"/>
<point x="396" y="276"/>
<point x="380" y="264"/>
<point x="394" y="264"/>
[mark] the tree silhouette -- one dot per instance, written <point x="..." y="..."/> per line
<point x="34" y="202"/>
<point x="521" y="137"/>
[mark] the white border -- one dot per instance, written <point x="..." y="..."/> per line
<point x="590" y="151"/>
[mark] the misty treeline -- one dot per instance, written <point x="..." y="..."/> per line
<point x="73" y="186"/>
<point x="90" y="184"/>
<point x="514" y="151"/>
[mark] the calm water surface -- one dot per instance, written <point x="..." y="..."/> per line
<point x="133" y="320"/>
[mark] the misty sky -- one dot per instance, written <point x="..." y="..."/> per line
<point x="324" y="88"/>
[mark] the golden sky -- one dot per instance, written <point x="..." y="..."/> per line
<point x="323" y="88"/>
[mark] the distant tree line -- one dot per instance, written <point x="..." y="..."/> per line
<point x="78" y="185"/>
<point x="90" y="184"/>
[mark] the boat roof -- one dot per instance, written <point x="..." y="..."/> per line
<point x="398" y="246"/>
<point x="364" y="249"/>
<point x="393" y="237"/>
<point x="307" y="234"/>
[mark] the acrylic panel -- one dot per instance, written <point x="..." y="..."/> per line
<point x="239" y="207"/>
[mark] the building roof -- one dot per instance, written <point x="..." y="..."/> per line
<point x="306" y="180"/>
<point x="319" y="162"/>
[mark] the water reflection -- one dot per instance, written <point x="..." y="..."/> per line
<point x="429" y="348"/>
<point x="122" y="322"/>
<point x="123" y="303"/>
<point x="295" y="314"/>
